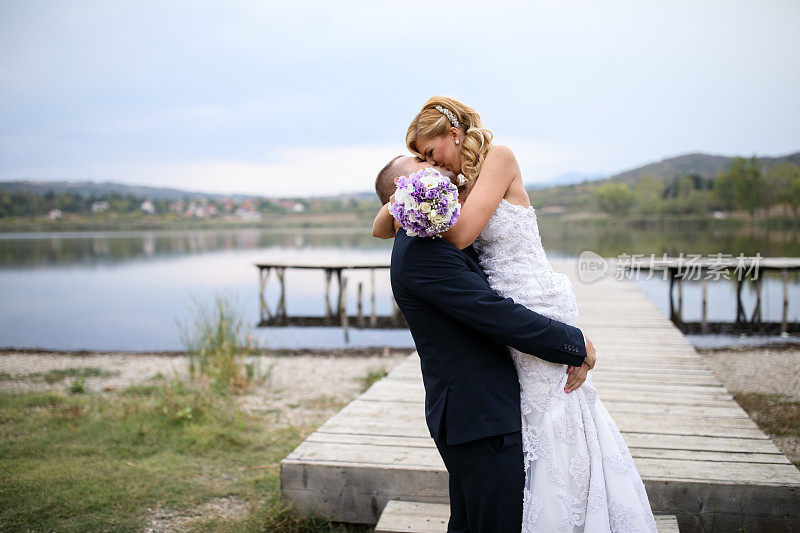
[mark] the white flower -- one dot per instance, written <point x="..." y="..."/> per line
<point x="437" y="219"/>
<point x="401" y="195"/>
<point x="425" y="207"/>
<point x="429" y="181"/>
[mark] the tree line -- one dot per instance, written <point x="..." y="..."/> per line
<point x="32" y="204"/>
<point x="22" y="203"/>
<point x="744" y="186"/>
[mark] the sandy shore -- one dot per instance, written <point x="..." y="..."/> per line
<point x="769" y="371"/>
<point x="758" y="370"/>
<point x="299" y="389"/>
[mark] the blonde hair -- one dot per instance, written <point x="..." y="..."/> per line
<point x="430" y="122"/>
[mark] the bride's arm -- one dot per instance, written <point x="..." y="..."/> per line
<point x="385" y="226"/>
<point x="498" y="171"/>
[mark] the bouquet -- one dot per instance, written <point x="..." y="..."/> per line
<point x="426" y="203"/>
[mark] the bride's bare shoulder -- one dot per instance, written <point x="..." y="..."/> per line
<point x="500" y="151"/>
<point x="500" y="158"/>
<point x="500" y="155"/>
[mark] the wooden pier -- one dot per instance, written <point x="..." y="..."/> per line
<point x="744" y="269"/>
<point x="333" y="314"/>
<point x="701" y="457"/>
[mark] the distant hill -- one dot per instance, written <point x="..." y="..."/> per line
<point x="92" y="188"/>
<point x="99" y="189"/>
<point x="582" y="195"/>
<point x="569" y="178"/>
<point x="704" y="165"/>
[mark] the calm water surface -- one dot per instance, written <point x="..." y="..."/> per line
<point x="131" y="290"/>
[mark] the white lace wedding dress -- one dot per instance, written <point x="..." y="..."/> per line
<point x="579" y="473"/>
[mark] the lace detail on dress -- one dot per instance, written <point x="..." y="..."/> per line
<point x="578" y="469"/>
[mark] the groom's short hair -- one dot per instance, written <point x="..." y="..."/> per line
<point x="384" y="183"/>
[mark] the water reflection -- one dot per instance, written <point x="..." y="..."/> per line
<point x="32" y="250"/>
<point x="561" y="237"/>
<point x="126" y="290"/>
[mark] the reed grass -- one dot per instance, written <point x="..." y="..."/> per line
<point x="220" y="346"/>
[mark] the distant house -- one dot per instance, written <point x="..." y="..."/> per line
<point x="248" y="214"/>
<point x="291" y="205"/>
<point x="148" y="207"/>
<point x="54" y="214"/>
<point x="99" y="207"/>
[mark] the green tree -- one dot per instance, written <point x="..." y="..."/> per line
<point x="793" y="192"/>
<point x="742" y="184"/>
<point x="724" y="190"/>
<point x="614" y="198"/>
<point x="749" y="186"/>
<point x="776" y="183"/>
<point x="648" y="194"/>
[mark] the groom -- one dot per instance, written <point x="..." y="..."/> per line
<point x="461" y="328"/>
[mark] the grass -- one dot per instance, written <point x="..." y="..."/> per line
<point x="99" y="461"/>
<point x="373" y="375"/>
<point x="60" y="374"/>
<point x="220" y="346"/>
<point x="776" y="414"/>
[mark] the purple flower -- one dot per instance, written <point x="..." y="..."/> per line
<point x="426" y="203"/>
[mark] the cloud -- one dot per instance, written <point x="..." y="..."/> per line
<point x="290" y="171"/>
<point x="251" y="95"/>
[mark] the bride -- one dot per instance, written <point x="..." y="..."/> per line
<point x="579" y="473"/>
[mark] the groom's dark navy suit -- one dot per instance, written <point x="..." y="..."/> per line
<point x="462" y="329"/>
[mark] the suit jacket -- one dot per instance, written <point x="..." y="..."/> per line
<point x="462" y="329"/>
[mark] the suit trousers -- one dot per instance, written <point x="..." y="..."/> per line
<point x="487" y="477"/>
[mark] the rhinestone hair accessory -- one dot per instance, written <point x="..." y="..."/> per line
<point x="449" y="114"/>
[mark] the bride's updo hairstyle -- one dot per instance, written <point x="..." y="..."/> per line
<point x="432" y="122"/>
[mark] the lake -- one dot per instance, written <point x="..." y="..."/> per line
<point x="130" y="290"/>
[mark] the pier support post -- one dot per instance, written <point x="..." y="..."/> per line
<point x="756" y="317"/>
<point x="671" y="295"/>
<point x="328" y="310"/>
<point x="340" y="299"/>
<point x="280" y="312"/>
<point x="785" y="314"/>
<point x="360" y="308"/>
<point x="740" y="316"/>
<point x="343" y="306"/>
<point x="373" y="317"/>
<point x="704" y="325"/>
<point x="263" y="278"/>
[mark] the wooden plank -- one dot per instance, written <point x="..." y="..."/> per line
<point x="403" y="516"/>
<point x="655" y="453"/>
<point x="365" y="417"/>
<point x="399" y="516"/>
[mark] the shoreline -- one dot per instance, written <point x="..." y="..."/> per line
<point x="366" y="351"/>
<point x="369" y="351"/>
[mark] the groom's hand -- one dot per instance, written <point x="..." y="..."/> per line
<point x="577" y="375"/>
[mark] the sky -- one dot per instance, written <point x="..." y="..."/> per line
<point x="307" y="98"/>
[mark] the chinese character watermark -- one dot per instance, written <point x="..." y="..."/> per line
<point x="592" y="267"/>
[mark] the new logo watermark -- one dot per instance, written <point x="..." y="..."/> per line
<point x="591" y="267"/>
